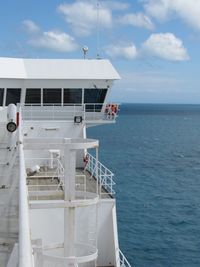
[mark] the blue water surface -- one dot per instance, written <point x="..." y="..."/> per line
<point x="154" y="151"/>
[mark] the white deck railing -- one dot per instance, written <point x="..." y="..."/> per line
<point x="122" y="260"/>
<point x="49" y="167"/>
<point x="25" y="249"/>
<point x="103" y="175"/>
<point x="88" y="112"/>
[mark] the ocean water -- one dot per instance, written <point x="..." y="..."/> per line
<point x="154" y="151"/>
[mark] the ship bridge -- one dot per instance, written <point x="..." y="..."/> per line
<point x="48" y="89"/>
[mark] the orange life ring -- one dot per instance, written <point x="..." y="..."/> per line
<point x="114" y="109"/>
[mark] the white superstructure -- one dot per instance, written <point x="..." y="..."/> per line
<point x="57" y="200"/>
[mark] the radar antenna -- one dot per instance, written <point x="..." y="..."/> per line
<point x="85" y="50"/>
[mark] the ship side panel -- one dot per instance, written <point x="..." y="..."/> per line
<point x="107" y="233"/>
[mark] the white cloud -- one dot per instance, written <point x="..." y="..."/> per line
<point x="30" y="26"/>
<point x="138" y="20"/>
<point x="121" y="51"/>
<point x="188" y="10"/>
<point x="165" y="46"/>
<point x="82" y="16"/>
<point x="158" y="9"/>
<point x="115" y="5"/>
<point x="54" y="40"/>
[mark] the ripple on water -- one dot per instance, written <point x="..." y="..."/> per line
<point x="154" y="152"/>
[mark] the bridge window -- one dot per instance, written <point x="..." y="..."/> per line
<point x="33" y="96"/>
<point x="52" y="96"/>
<point x="1" y="96"/>
<point x="72" y="96"/>
<point x="94" y="97"/>
<point x="13" y="96"/>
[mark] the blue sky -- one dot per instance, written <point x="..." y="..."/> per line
<point x="154" y="44"/>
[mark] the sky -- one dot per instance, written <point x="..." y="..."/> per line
<point x="153" y="44"/>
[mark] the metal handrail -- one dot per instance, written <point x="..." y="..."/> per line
<point x="105" y="176"/>
<point x="88" y="111"/>
<point x="123" y="260"/>
<point x="25" y="249"/>
<point x="57" y="173"/>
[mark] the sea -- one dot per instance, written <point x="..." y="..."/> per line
<point x="154" y="151"/>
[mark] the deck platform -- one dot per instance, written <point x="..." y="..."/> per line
<point x="45" y="185"/>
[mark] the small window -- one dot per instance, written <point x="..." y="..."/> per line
<point x="13" y="96"/>
<point x="94" y="97"/>
<point x="52" y="96"/>
<point x="1" y="96"/>
<point x="72" y="96"/>
<point x="33" y="96"/>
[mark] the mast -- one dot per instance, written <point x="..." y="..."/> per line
<point x="98" y="25"/>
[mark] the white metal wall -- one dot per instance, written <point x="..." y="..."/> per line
<point x="107" y="235"/>
<point x="52" y="129"/>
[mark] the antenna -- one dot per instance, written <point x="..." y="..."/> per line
<point x="98" y="24"/>
<point x="85" y="50"/>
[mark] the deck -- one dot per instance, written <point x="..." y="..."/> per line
<point x="45" y="185"/>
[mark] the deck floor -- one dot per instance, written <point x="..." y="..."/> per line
<point x="53" y="189"/>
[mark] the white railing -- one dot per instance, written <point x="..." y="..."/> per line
<point x="88" y="112"/>
<point x="49" y="168"/>
<point x="85" y="255"/>
<point x="122" y="260"/>
<point x="60" y="172"/>
<point x="104" y="176"/>
<point x="53" y="169"/>
<point x="52" y="112"/>
<point x="25" y="249"/>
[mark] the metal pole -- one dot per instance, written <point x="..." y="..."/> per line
<point x="25" y="250"/>
<point x="98" y="29"/>
<point x="69" y="213"/>
<point x="96" y="167"/>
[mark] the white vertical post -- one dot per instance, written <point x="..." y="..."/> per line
<point x="38" y="256"/>
<point x="97" y="173"/>
<point x="25" y="250"/>
<point x="62" y="97"/>
<point x="69" y="213"/>
<point x="84" y="114"/>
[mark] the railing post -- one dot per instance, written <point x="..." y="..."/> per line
<point x="96" y="166"/>
<point x="31" y="113"/>
<point x="84" y="115"/>
<point x="111" y="183"/>
<point x="25" y="250"/>
<point x="100" y="171"/>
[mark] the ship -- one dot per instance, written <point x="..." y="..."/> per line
<point x="57" y="200"/>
